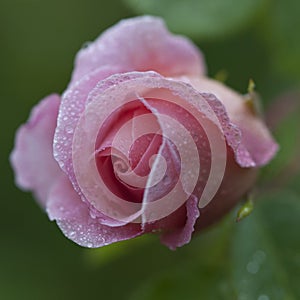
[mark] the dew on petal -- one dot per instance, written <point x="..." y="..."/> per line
<point x="89" y="245"/>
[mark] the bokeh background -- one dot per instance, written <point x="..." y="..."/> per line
<point x="257" y="259"/>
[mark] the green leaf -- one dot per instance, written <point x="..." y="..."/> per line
<point x="281" y="32"/>
<point x="201" y="274"/>
<point x="258" y="258"/>
<point x="203" y="19"/>
<point x="266" y="250"/>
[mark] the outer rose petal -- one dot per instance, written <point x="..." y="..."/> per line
<point x="140" y="44"/>
<point x="182" y="236"/>
<point x="73" y="217"/>
<point x="236" y="183"/>
<point x="255" y="136"/>
<point x="72" y="106"/>
<point x="32" y="157"/>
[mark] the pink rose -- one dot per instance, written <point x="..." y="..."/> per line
<point x="140" y="141"/>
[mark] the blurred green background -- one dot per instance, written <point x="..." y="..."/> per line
<point x="257" y="259"/>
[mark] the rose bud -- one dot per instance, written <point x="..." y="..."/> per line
<point x="141" y="141"/>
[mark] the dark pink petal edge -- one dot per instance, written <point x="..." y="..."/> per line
<point x="232" y="133"/>
<point x="182" y="236"/>
<point x="252" y="149"/>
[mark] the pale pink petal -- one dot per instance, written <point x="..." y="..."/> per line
<point x="63" y="202"/>
<point x="73" y="217"/>
<point x="140" y="44"/>
<point x="72" y="106"/>
<point x="32" y="157"/>
<point x="182" y="236"/>
<point x="256" y="143"/>
<point x="237" y="182"/>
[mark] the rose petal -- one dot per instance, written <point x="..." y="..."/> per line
<point x="72" y="105"/>
<point x="140" y="44"/>
<point x="182" y="236"/>
<point x="257" y="144"/>
<point x="32" y="157"/>
<point x="116" y="91"/>
<point x="73" y="217"/>
<point x="61" y="200"/>
<point x="236" y="184"/>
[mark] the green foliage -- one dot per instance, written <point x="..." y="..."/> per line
<point x="265" y="250"/>
<point x="280" y="30"/>
<point x="258" y="259"/>
<point x="204" y="19"/>
<point x="284" y="115"/>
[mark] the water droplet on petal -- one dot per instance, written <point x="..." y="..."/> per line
<point x="69" y="129"/>
<point x="72" y="234"/>
<point x="89" y="245"/>
<point x="166" y="180"/>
